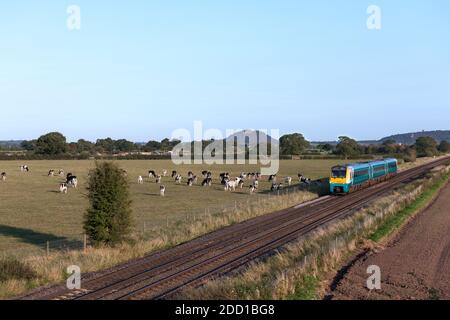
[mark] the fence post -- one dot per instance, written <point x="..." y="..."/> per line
<point x="48" y="247"/>
<point x="84" y="242"/>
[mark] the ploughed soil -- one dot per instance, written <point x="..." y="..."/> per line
<point x="414" y="265"/>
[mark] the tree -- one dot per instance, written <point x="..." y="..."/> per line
<point x="105" y="145"/>
<point x="152" y="146"/>
<point x="410" y="155"/>
<point x="85" y="146"/>
<point x="426" y="147"/>
<point x="52" y="143"/>
<point x="347" y="147"/>
<point x="28" y="145"/>
<point x="326" y="147"/>
<point x="293" y="144"/>
<point x="123" y="145"/>
<point x="444" y="146"/>
<point x="108" y="218"/>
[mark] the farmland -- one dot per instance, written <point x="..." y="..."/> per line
<point x="32" y="210"/>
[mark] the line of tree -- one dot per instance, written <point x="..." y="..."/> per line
<point x="294" y="144"/>
<point x="54" y="143"/>
<point x="423" y="147"/>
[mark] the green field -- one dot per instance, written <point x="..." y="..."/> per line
<point x="33" y="211"/>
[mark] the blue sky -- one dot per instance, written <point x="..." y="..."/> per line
<point x="141" y="69"/>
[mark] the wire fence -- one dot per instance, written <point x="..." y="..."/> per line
<point x="235" y="211"/>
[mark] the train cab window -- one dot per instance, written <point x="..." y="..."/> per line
<point x="339" y="172"/>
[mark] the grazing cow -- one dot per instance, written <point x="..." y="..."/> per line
<point x="158" y="179"/>
<point x="178" y="179"/>
<point x="63" y="188"/>
<point x="288" y="181"/>
<point x="243" y="175"/>
<point x="61" y="172"/>
<point x="276" y="186"/>
<point x="140" y="180"/>
<point x="190" y="174"/>
<point x="24" y="168"/>
<point x="224" y="177"/>
<point x="162" y="191"/>
<point x="207" y="182"/>
<point x="3" y="176"/>
<point x="51" y="173"/>
<point x="231" y="185"/>
<point x="164" y="173"/>
<point x="151" y="174"/>
<point x="252" y="189"/>
<point x="174" y="174"/>
<point x="255" y="184"/>
<point x="190" y="182"/>
<point x="72" y="180"/>
<point x="273" y="178"/>
<point x="240" y="182"/>
<point x="204" y="174"/>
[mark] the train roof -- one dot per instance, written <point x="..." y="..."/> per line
<point x="357" y="165"/>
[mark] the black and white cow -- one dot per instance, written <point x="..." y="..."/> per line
<point x="63" y="188"/>
<point x="207" y="182"/>
<point x="3" y="176"/>
<point x="178" y="178"/>
<point x="72" y="180"/>
<point x="276" y="186"/>
<point x="273" y="178"/>
<point x="174" y="174"/>
<point x="151" y="174"/>
<point x="24" y="168"/>
<point x="51" y="173"/>
<point x="240" y="182"/>
<point x="224" y="177"/>
<point x="162" y="191"/>
<point x="158" y="179"/>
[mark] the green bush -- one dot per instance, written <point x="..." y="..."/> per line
<point x="108" y="219"/>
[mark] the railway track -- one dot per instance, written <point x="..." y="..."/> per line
<point x="159" y="275"/>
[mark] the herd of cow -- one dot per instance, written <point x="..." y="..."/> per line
<point x="71" y="180"/>
<point x="229" y="184"/>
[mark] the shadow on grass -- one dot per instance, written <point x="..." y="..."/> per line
<point x="39" y="238"/>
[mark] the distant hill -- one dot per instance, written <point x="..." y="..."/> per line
<point x="410" y="138"/>
<point x="10" y="143"/>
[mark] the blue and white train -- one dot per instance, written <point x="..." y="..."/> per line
<point x="351" y="177"/>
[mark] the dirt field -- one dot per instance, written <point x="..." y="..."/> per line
<point x="32" y="211"/>
<point x="414" y="265"/>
